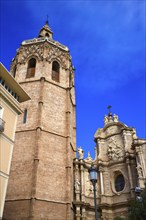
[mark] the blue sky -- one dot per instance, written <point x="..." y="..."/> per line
<point x="107" y="44"/>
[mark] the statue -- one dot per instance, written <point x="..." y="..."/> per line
<point x="139" y="170"/>
<point x="80" y="153"/>
<point x="134" y="134"/>
<point x="115" y="118"/>
<point x="105" y="119"/>
<point x="89" y="158"/>
<point x="77" y="184"/>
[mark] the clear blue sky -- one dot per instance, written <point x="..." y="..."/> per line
<point x="107" y="44"/>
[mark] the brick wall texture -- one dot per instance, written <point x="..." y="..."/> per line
<point x="41" y="177"/>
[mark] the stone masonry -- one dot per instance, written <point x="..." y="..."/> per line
<point x="41" y="177"/>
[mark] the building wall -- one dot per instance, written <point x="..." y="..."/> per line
<point x="6" y="147"/>
<point x="45" y="144"/>
<point x="9" y="112"/>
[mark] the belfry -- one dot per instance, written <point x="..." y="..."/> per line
<point x="45" y="144"/>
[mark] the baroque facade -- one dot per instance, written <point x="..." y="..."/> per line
<point x="121" y="162"/>
<point x="48" y="180"/>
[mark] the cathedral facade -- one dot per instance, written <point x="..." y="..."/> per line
<point x="48" y="180"/>
<point x="121" y="163"/>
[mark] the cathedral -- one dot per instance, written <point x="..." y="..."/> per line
<point x="49" y="178"/>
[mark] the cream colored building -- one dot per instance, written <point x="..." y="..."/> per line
<point x="11" y="95"/>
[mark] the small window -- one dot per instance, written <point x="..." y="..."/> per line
<point x="55" y="71"/>
<point x="47" y="35"/>
<point x="119" y="183"/>
<point x="25" y="116"/>
<point x="31" y="68"/>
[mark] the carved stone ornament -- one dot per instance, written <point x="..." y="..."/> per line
<point x="88" y="188"/>
<point x="89" y="158"/>
<point x="139" y="170"/>
<point x="115" y="118"/>
<point x="33" y="50"/>
<point x="115" y="151"/>
<point x="107" y="186"/>
<point x="13" y="66"/>
<point x="56" y="53"/>
<point x="14" y="62"/>
<point x="80" y="153"/>
<point x="105" y="119"/>
<point x="77" y="185"/>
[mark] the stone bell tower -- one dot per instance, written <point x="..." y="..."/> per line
<point x="40" y="185"/>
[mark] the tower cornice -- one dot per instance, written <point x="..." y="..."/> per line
<point x="43" y="39"/>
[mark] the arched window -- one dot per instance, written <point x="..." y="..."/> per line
<point x="55" y="71"/>
<point x="31" y="68"/>
<point x="47" y="35"/>
<point x="119" y="183"/>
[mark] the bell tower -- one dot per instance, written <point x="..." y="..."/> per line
<point x="40" y="184"/>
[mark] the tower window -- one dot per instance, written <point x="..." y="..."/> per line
<point x="25" y="116"/>
<point x="119" y="183"/>
<point x="47" y="35"/>
<point x="55" y="71"/>
<point x="31" y="68"/>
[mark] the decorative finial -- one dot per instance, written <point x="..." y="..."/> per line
<point x="47" y="22"/>
<point x="109" y="108"/>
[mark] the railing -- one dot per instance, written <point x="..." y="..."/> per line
<point x="2" y="125"/>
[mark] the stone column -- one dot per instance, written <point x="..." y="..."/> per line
<point x="40" y="103"/>
<point x="78" y="215"/>
<point x="68" y="158"/>
<point x="36" y="151"/>
<point x="82" y="181"/>
<point x="107" y="187"/>
<point x="83" y="213"/>
<point x="130" y="176"/>
<point x="140" y="166"/>
<point x="101" y="181"/>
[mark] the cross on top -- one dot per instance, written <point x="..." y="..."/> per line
<point x="109" y="108"/>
